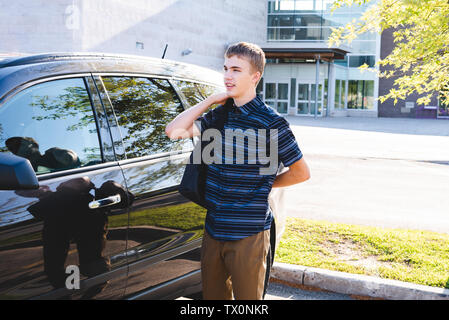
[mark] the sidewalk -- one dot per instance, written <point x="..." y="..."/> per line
<point x="387" y="138"/>
<point x="354" y="284"/>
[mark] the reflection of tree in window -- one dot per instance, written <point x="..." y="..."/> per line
<point x="195" y="92"/>
<point x="143" y="108"/>
<point x="155" y="176"/>
<point x="58" y="118"/>
<point x="74" y="103"/>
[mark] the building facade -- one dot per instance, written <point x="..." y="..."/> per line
<point x="318" y="80"/>
<point x="195" y="31"/>
<point x="303" y="76"/>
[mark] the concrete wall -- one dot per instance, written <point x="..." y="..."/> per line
<point x="204" y="26"/>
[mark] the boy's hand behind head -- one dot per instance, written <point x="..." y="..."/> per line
<point x="219" y="98"/>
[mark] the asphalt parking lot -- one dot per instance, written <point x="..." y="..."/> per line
<point x="373" y="171"/>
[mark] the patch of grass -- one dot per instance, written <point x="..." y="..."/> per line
<point x="415" y="256"/>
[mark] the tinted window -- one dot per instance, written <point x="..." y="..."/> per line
<point x="143" y="107"/>
<point x="52" y="125"/>
<point x="357" y="61"/>
<point x="195" y="92"/>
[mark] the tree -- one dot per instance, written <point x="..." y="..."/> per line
<point x="420" y="59"/>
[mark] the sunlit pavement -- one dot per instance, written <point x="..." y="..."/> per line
<point x="390" y="138"/>
<point x="380" y="172"/>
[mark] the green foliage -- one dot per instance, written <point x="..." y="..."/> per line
<point x="420" y="58"/>
<point x="143" y="107"/>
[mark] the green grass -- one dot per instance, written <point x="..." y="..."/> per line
<point x="415" y="256"/>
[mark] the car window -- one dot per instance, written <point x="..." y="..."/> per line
<point x="143" y="107"/>
<point x="52" y="125"/>
<point x="195" y="92"/>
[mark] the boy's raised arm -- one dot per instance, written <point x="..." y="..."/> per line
<point x="183" y="125"/>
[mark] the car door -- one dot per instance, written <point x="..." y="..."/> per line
<point x="165" y="228"/>
<point x="74" y="227"/>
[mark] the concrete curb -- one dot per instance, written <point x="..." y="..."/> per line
<point x="355" y="284"/>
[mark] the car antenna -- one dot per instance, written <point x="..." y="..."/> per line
<point x="165" y="50"/>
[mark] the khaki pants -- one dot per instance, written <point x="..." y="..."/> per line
<point x="234" y="267"/>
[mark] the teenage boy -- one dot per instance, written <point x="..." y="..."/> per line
<point x="237" y="230"/>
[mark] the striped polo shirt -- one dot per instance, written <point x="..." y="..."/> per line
<point x="236" y="192"/>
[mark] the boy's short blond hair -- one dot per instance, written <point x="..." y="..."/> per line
<point x="251" y="51"/>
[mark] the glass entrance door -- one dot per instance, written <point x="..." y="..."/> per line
<point x="276" y="96"/>
<point x="306" y="98"/>
<point x="303" y="98"/>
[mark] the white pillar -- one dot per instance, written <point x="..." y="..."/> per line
<point x="331" y="89"/>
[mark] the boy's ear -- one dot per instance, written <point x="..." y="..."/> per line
<point x="256" y="76"/>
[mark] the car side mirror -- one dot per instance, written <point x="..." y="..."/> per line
<point x="16" y="173"/>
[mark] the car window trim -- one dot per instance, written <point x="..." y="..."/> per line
<point x="84" y="75"/>
<point x="92" y="83"/>
<point x="179" y="93"/>
<point x="35" y="81"/>
<point x="69" y="172"/>
<point x="164" y="156"/>
<point x="129" y="74"/>
<point x="110" y="116"/>
<point x="213" y="84"/>
<point x="170" y="80"/>
<point x="179" y="90"/>
<point x="97" y="124"/>
<point x="151" y="75"/>
<point x="158" y="155"/>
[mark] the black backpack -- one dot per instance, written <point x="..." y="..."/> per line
<point x="193" y="183"/>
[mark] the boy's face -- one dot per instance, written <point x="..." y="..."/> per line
<point x="239" y="76"/>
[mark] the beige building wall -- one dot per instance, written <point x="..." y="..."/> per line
<point x="142" y="27"/>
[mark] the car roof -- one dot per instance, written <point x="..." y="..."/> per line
<point x="18" y="70"/>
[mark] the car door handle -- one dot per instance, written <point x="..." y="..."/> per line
<point x="109" y="201"/>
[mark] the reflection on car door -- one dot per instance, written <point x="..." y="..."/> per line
<point x="163" y="223"/>
<point x="65" y="222"/>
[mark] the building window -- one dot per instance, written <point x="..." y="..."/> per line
<point x="277" y="95"/>
<point x="357" y="61"/>
<point x="360" y="94"/>
<point x="311" y="21"/>
<point x="340" y="88"/>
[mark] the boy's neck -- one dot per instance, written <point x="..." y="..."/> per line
<point x="242" y="100"/>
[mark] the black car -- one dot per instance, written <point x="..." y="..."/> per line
<point x="89" y="180"/>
